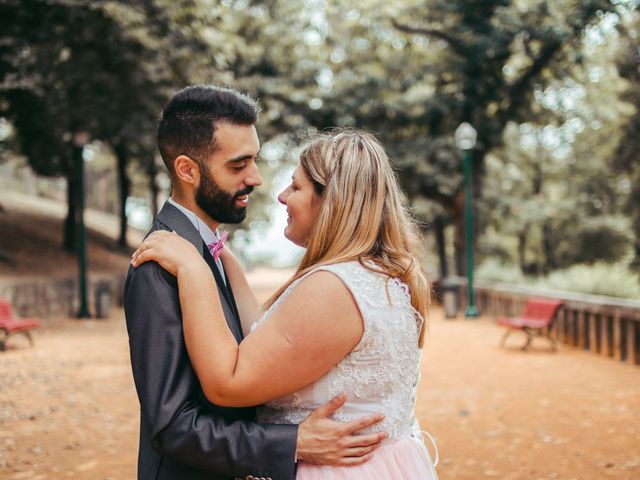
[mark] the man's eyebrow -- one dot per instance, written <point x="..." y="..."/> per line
<point x="243" y="158"/>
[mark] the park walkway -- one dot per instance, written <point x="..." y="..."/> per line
<point x="68" y="408"/>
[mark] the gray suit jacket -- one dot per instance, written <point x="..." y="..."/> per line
<point x="182" y="435"/>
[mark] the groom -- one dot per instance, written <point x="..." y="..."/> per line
<point x="208" y="141"/>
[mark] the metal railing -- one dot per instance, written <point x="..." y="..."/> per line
<point x="606" y="326"/>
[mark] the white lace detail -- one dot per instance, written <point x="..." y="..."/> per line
<point x="380" y="374"/>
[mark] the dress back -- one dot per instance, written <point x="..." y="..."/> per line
<point x="380" y="374"/>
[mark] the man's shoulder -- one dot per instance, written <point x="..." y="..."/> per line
<point x="157" y="225"/>
<point x="150" y="274"/>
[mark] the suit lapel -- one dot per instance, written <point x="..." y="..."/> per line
<point x="223" y="285"/>
<point x="233" y="298"/>
<point x="175" y="220"/>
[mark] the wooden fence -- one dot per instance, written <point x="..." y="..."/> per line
<point x="606" y="326"/>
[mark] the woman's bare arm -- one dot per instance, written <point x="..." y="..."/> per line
<point x="312" y="329"/>
<point x="248" y="305"/>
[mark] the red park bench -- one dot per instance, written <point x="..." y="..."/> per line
<point x="10" y="324"/>
<point x="536" y="320"/>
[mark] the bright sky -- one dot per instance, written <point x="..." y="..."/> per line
<point x="266" y="239"/>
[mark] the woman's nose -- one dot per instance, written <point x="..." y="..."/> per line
<point x="282" y="198"/>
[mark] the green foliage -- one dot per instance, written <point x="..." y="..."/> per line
<point x="493" y="270"/>
<point x="615" y="280"/>
<point x="411" y="71"/>
<point x="554" y="188"/>
<point x="604" y="238"/>
<point x="86" y="66"/>
<point x="80" y="67"/>
<point x="551" y="88"/>
<point x="626" y="159"/>
<point x="601" y="278"/>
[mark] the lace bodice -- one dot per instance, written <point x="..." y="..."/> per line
<point x="380" y="374"/>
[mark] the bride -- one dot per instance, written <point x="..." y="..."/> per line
<point x="351" y="318"/>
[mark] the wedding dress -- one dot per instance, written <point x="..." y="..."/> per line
<point x="379" y="375"/>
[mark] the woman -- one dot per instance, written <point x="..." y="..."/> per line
<point x="349" y="320"/>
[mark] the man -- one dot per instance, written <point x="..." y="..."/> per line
<point x="208" y="141"/>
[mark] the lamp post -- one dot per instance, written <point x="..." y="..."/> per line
<point x="465" y="136"/>
<point x="80" y="139"/>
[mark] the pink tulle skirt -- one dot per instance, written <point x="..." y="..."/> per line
<point x="405" y="459"/>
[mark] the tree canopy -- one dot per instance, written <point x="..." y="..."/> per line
<point x="551" y="88"/>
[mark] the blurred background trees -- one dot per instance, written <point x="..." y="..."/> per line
<point x="551" y="87"/>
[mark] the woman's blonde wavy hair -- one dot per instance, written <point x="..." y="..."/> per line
<point x="363" y="213"/>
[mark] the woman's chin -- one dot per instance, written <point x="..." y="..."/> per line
<point x="292" y="238"/>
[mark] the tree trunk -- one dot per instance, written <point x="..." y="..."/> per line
<point x="123" y="191"/>
<point x="458" y="240"/>
<point x="69" y="228"/>
<point x="154" y="191"/>
<point x="442" y="247"/>
<point x="551" y="262"/>
<point x="522" y="248"/>
<point x="635" y="263"/>
<point x="634" y="212"/>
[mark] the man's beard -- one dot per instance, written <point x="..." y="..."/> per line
<point x="216" y="202"/>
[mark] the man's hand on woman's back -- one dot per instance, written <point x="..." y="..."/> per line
<point x="322" y="441"/>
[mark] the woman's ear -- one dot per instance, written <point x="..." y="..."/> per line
<point x="187" y="170"/>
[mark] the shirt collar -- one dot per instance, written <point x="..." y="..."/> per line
<point x="208" y="235"/>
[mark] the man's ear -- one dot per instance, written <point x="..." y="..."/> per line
<point x="187" y="170"/>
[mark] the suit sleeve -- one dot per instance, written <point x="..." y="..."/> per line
<point x="182" y="426"/>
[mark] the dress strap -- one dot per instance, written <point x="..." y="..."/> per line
<point x="435" y="447"/>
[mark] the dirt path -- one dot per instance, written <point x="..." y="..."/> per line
<point x="68" y="408"/>
<point x="537" y="415"/>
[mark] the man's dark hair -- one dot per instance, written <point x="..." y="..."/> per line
<point x="189" y="121"/>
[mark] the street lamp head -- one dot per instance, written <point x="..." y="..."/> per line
<point x="465" y="136"/>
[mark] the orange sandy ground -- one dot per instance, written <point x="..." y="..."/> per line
<point x="68" y="408"/>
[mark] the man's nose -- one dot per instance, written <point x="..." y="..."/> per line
<point x="253" y="177"/>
